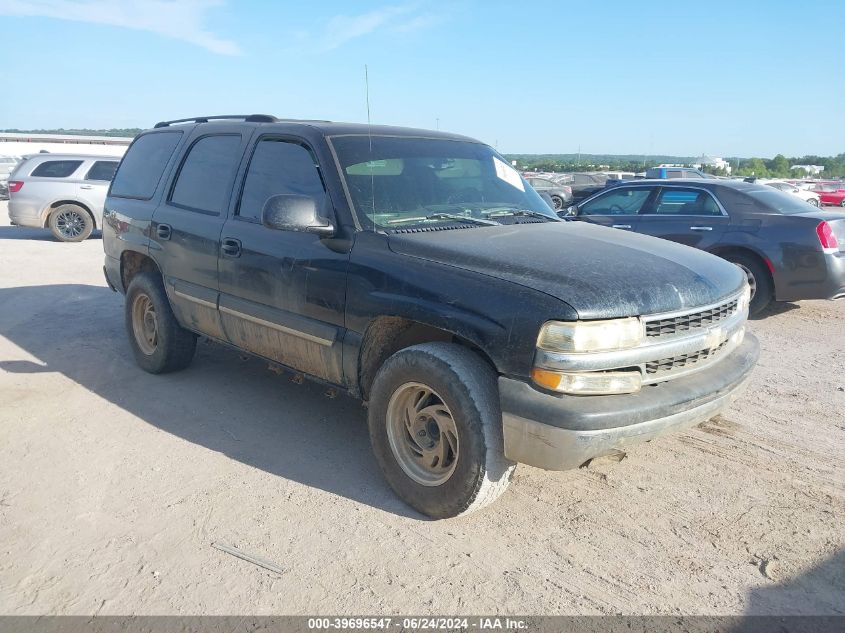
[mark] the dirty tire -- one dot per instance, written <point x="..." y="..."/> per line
<point x="70" y="223"/>
<point x="174" y="346"/>
<point x="763" y="290"/>
<point x="467" y="386"/>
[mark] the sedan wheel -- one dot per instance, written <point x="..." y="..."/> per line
<point x="752" y="281"/>
<point x="814" y="202"/>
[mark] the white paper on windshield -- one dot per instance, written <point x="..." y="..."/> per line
<point x="508" y="174"/>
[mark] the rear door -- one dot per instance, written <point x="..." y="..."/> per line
<point x="618" y="208"/>
<point x="283" y="293"/>
<point x="687" y="215"/>
<point x="95" y="185"/>
<point x="185" y="232"/>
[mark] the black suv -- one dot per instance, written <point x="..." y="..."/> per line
<point x="418" y="271"/>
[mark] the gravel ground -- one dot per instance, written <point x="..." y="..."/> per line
<point x="114" y="484"/>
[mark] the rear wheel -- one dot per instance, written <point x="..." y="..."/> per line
<point x="70" y="223"/>
<point x="759" y="280"/>
<point x="436" y="429"/>
<point x="558" y="202"/>
<point x="814" y="201"/>
<point x="159" y="343"/>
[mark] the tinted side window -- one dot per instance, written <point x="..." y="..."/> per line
<point x="56" y="168"/>
<point x="102" y="170"/>
<point x="686" y="202"/>
<point x="206" y="174"/>
<point x="617" y="202"/>
<point x="144" y="164"/>
<point x="279" y="167"/>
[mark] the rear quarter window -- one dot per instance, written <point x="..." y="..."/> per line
<point x="102" y="170"/>
<point x="56" y="168"/>
<point x="142" y="167"/>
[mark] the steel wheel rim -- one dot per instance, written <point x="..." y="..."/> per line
<point x="145" y="324"/>
<point x="422" y="434"/>
<point x="70" y="224"/>
<point x="752" y="281"/>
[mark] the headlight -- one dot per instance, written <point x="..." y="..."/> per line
<point x="591" y="336"/>
<point x="589" y="383"/>
<point x="744" y="298"/>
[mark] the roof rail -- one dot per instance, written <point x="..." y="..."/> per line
<point x="249" y="118"/>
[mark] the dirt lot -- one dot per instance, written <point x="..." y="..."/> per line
<point x="114" y="483"/>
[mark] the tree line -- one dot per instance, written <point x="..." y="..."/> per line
<point x="778" y="167"/>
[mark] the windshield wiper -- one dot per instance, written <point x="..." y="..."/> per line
<point x="460" y="218"/>
<point x="446" y="216"/>
<point x="493" y="213"/>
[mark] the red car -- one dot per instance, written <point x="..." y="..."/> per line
<point x="831" y="193"/>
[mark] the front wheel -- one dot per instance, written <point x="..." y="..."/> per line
<point x="436" y="429"/>
<point x="70" y="223"/>
<point x="159" y="343"/>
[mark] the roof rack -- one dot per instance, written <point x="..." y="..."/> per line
<point x="249" y="118"/>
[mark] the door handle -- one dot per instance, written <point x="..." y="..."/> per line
<point x="621" y="226"/>
<point x="231" y="247"/>
<point x="86" y="186"/>
<point x="701" y="228"/>
<point x="164" y="231"/>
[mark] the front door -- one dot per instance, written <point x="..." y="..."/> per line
<point x="687" y="215"/>
<point x="618" y="208"/>
<point x="282" y="293"/>
<point x="186" y="227"/>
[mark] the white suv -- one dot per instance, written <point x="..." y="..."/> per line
<point x="62" y="192"/>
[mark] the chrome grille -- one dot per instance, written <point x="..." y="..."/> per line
<point x="692" y="321"/>
<point x="684" y="360"/>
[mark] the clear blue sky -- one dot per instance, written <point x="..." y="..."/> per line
<point x="750" y="78"/>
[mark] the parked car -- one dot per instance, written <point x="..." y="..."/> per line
<point x="585" y="185"/>
<point x="417" y="270"/>
<point x="787" y="250"/>
<point x="561" y="195"/>
<point x="805" y="195"/>
<point x="831" y="193"/>
<point x="7" y="164"/>
<point x="675" y="172"/>
<point x="62" y="192"/>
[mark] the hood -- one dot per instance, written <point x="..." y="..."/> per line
<point x="601" y="272"/>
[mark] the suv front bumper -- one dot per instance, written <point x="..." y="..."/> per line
<point x="559" y="432"/>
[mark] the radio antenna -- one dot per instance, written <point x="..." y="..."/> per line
<point x="370" y="135"/>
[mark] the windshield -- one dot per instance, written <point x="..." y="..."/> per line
<point x="779" y="201"/>
<point x="402" y="182"/>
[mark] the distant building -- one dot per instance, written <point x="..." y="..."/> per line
<point x="810" y="170"/>
<point x="713" y="161"/>
<point x="17" y="144"/>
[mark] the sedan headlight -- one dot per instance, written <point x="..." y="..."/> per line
<point x="591" y="336"/>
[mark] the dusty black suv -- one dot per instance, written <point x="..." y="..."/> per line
<point x="419" y="272"/>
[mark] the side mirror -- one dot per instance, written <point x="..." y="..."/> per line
<point x="571" y="211"/>
<point x="292" y="212"/>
